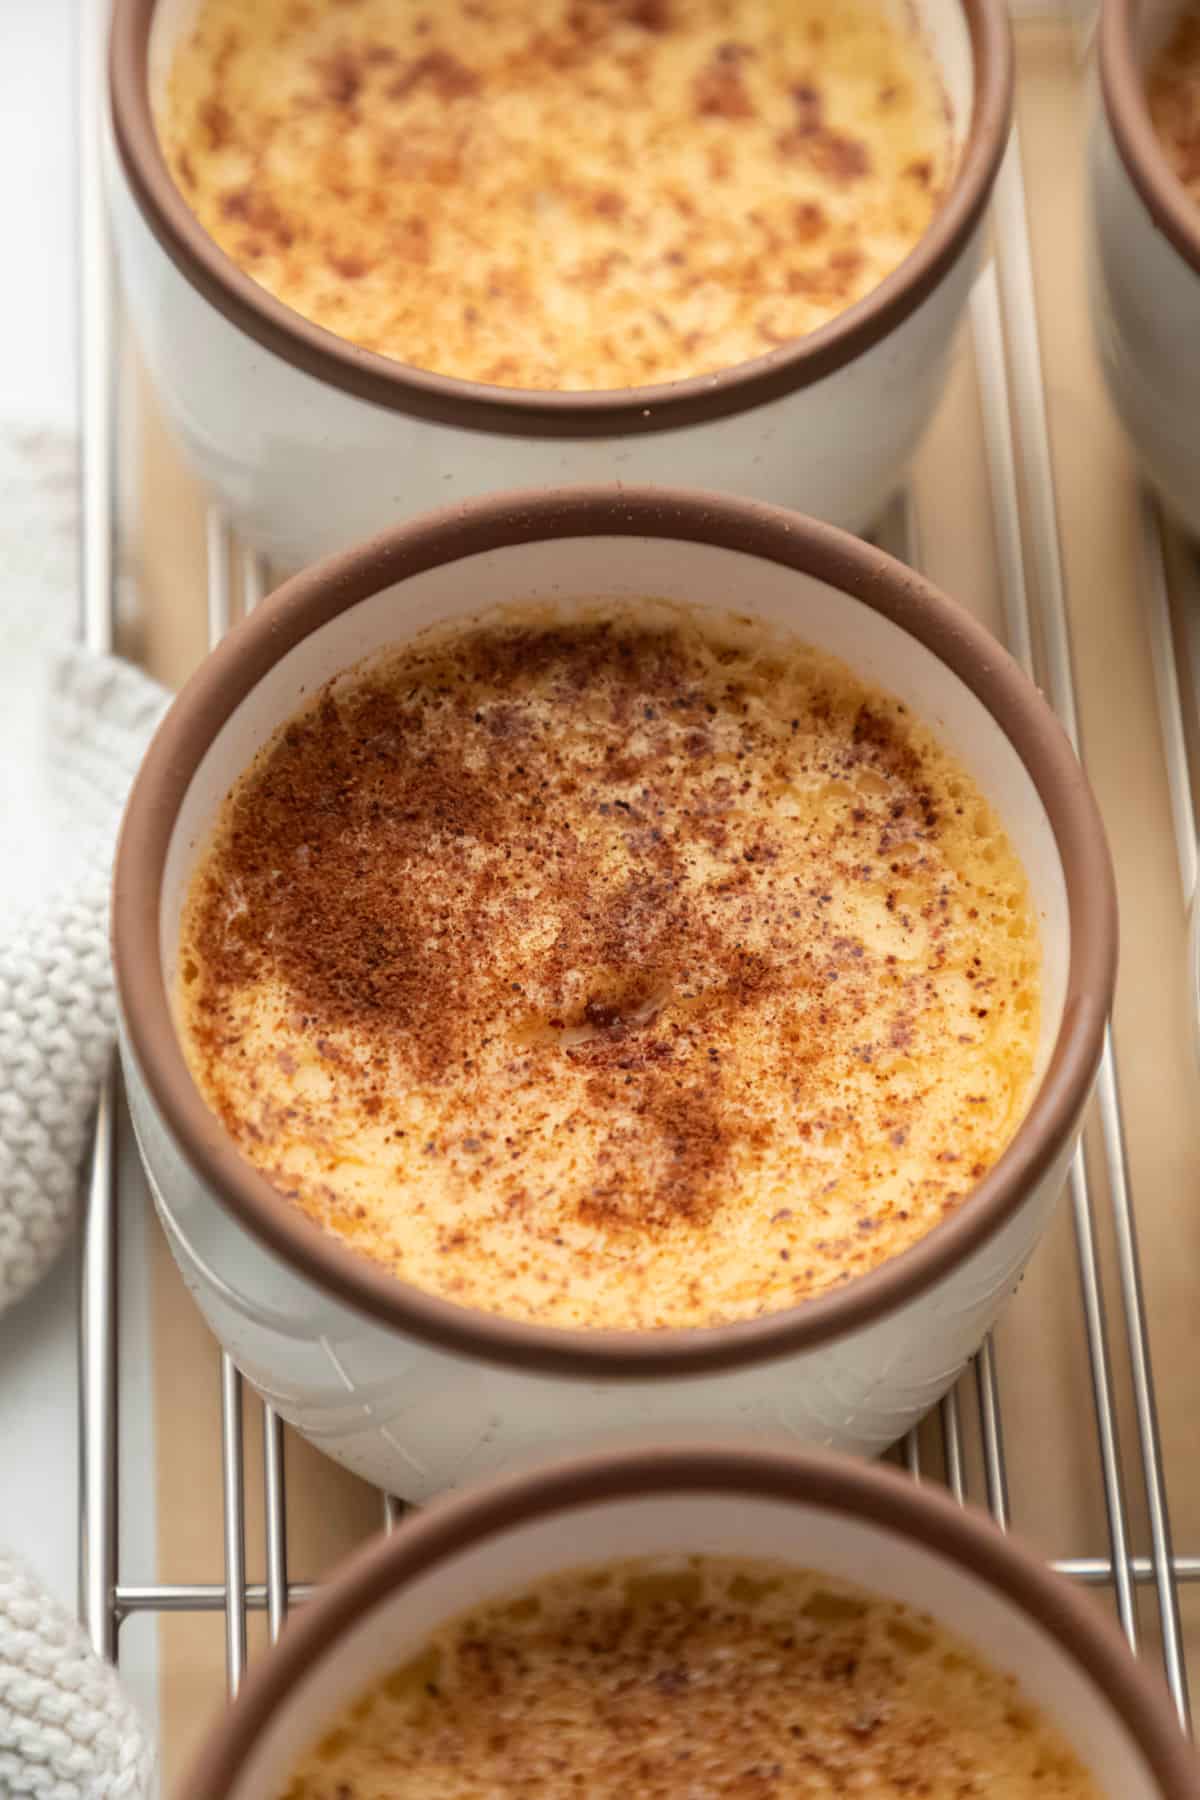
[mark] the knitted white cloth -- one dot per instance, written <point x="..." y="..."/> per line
<point x="72" y="728"/>
<point x="67" y="1730"/>
<point x="56" y="1006"/>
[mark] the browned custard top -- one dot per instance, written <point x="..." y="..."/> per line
<point x="628" y="968"/>
<point x="563" y="194"/>
<point x="1173" y="94"/>
<point x="701" y="1679"/>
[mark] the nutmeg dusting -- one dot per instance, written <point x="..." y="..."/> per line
<point x="605" y="189"/>
<point x="674" y="1678"/>
<point x="578" y="963"/>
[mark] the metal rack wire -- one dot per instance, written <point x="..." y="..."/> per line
<point x="1008" y="361"/>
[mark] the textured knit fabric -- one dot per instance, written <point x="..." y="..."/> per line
<point x="72" y="729"/>
<point x="56" y="1005"/>
<point x="67" y="1730"/>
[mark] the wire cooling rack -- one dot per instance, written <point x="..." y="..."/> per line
<point x="964" y="1443"/>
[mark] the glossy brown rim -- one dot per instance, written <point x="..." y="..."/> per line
<point x="779" y="536"/>
<point x="528" y="412"/>
<point x="862" y="1491"/>
<point x="1122" y="81"/>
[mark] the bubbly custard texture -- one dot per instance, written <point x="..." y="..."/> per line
<point x="1173" y="95"/>
<point x="702" y="1677"/>
<point x="631" y="967"/>
<point x="560" y="194"/>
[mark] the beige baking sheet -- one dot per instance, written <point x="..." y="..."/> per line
<point x="1045" y="1386"/>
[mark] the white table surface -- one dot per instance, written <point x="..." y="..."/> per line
<point x="39" y="387"/>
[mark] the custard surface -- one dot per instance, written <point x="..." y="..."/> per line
<point x="630" y="967"/>
<point x="700" y="1677"/>
<point x="560" y="194"/>
<point x="1173" y="96"/>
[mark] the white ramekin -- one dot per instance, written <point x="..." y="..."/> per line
<point x="315" y="444"/>
<point x="1144" y="258"/>
<point x="859" y="1522"/>
<point x="418" y="1393"/>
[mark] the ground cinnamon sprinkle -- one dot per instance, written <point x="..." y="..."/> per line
<point x="308" y="139"/>
<point x="668" y="1679"/>
<point x="605" y="969"/>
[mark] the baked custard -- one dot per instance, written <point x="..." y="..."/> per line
<point x="564" y="194"/>
<point x="625" y="965"/>
<point x="1173" y="95"/>
<point x="705" y="1676"/>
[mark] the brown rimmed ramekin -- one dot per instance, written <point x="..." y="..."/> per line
<point x="415" y="1391"/>
<point x="314" y="443"/>
<point x="855" y="1521"/>
<point x="1145" y="260"/>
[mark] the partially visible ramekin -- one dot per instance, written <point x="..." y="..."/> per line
<point x="418" y="1393"/>
<point x="855" y="1521"/>
<point x="314" y="443"/>
<point x="1145" y="261"/>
